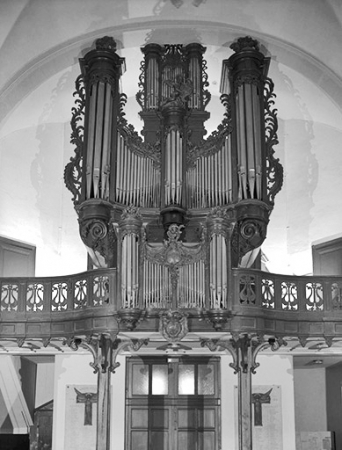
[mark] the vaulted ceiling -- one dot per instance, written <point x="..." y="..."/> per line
<point x="40" y="43"/>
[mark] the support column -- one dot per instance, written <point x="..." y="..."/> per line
<point x="101" y="347"/>
<point x="105" y="349"/>
<point x="103" y="394"/>
<point x="244" y="349"/>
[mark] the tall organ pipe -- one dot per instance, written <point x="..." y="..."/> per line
<point x="246" y="71"/>
<point x="101" y="69"/>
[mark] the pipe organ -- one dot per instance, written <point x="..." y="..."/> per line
<point x="173" y="211"/>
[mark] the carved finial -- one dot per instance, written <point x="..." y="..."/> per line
<point x="106" y="43"/>
<point x="245" y="43"/>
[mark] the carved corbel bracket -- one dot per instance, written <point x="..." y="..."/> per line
<point x="101" y="348"/>
<point x="250" y="232"/>
<point x="130" y="318"/>
<point x="217" y="317"/>
<point x="121" y="345"/>
<point x="244" y="348"/>
<point x="97" y="233"/>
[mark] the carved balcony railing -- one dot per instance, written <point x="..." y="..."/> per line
<point x="57" y="306"/>
<point x="287" y="305"/>
<point x="93" y="302"/>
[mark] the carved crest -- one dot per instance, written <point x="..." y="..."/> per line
<point x="173" y="325"/>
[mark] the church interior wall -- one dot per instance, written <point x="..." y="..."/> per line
<point x="74" y="371"/>
<point x="310" y="399"/>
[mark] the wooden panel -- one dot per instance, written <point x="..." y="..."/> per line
<point x="206" y="418"/>
<point x="16" y="259"/>
<point x="139" y="418"/>
<point x="160" y="418"/>
<point x="206" y="440"/>
<point x="139" y="440"/>
<point x="187" y="440"/>
<point x="174" y="421"/>
<point x="159" y="440"/>
<point x="186" y="418"/>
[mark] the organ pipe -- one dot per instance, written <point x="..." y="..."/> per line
<point x="173" y="172"/>
<point x="101" y="69"/>
<point x="244" y="76"/>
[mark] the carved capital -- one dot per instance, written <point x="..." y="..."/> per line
<point x="221" y="221"/>
<point x="130" y="222"/>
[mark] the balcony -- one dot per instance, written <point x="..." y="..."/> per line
<point x="90" y="303"/>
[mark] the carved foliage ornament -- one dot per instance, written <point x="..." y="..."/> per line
<point x="174" y="253"/>
<point x="215" y="140"/>
<point x="132" y="139"/>
<point x="73" y="170"/>
<point x="274" y="170"/>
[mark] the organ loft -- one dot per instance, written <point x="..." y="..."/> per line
<point x="173" y="220"/>
<point x="174" y="211"/>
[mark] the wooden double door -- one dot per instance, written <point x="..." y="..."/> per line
<point x="173" y="405"/>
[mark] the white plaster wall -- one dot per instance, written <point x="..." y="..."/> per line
<point x="310" y="400"/>
<point x="74" y="370"/>
<point x="36" y="207"/>
<point x="273" y="370"/>
<point x="44" y="383"/>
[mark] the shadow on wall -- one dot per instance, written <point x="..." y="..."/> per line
<point x="47" y="168"/>
<point x="301" y="170"/>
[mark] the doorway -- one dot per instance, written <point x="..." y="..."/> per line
<point x="172" y="403"/>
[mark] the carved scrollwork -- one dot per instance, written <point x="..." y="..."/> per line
<point x="140" y="96"/>
<point x="73" y="170"/>
<point x="274" y="170"/>
<point x="252" y="233"/>
<point x="92" y="231"/>
<point x="132" y="139"/>
<point x="205" y="83"/>
<point x="215" y="140"/>
<point x="98" y="235"/>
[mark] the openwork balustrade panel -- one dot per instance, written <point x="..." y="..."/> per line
<point x="59" y="294"/>
<point x="286" y="293"/>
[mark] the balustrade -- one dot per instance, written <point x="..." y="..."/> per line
<point x="95" y="294"/>
<point x="31" y="296"/>
<point x="286" y="293"/>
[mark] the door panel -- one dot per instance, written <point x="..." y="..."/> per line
<point x="172" y="406"/>
<point x="139" y="440"/>
<point x="206" y="440"/>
